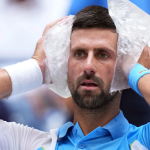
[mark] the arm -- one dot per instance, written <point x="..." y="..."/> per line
<point x="144" y="82"/>
<point x="5" y="84"/>
<point x="144" y="87"/>
<point x="139" y="77"/>
<point x="39" y="56"/>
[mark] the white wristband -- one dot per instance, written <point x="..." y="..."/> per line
<point x="25" y="76"/>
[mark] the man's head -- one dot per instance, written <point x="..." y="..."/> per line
<point x="93" y="17"/>
<point x="93" y="53"/>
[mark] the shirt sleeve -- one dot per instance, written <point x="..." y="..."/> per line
<point x="145" y="135"/>
<point x="18" y="137"/>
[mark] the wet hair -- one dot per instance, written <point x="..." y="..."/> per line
<point x="93" y="17"/>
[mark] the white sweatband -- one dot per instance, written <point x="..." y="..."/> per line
<point x="25" y="76"/>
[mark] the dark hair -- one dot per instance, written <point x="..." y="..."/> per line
<point x="93" y="16"/>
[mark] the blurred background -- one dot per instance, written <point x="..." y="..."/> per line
<point x="22" y="24"/>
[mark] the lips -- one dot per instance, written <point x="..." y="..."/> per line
<point x="88" y="83"/>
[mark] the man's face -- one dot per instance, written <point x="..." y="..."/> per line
<point x="93" y="54"/>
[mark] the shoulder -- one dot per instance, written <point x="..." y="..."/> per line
<point x="24" y="135"/>
<point x="145" y="129"/>
<point x="7" y="127"/>
<point x="140" y="134"/>
<point x="139" y="130"/>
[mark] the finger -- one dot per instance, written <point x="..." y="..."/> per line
<point x="52" y="24"/>
<point x="149" y="51"/>
<point x="146" y="52"/>
<point x="145" y="57"/>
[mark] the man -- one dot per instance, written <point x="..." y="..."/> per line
<point x="136" y="113"/>
<point x="98" y="122"/>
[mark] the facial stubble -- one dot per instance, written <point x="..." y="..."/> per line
<point x="88" y="99"/>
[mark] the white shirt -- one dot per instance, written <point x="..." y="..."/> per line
<point x="18" y="137"/>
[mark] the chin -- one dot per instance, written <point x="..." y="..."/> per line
<point x="89" y="93"/>
<point x="89" y="99"/>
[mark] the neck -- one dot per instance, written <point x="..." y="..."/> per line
<point x="90" y="119"/>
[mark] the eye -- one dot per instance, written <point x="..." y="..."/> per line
<point x="79" y="54"/>
<point x="103" y="55"/>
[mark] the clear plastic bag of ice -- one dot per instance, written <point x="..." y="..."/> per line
<point x="133" y="27"/>
<point x="57" y="50"/>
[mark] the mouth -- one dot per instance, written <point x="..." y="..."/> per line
<point x="89" y="85"/>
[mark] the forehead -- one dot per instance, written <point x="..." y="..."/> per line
<point x="94" y="38"/>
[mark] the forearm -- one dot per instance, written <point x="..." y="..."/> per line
<point x="5" y="84"/>
<point x="139" y="81"/>
<point x="144" y="87"/>
<point x="26" y="76"/>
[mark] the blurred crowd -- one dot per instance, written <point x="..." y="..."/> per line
<point x="22" y="23"/>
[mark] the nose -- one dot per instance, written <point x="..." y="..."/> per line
<point x="89" y="67"/>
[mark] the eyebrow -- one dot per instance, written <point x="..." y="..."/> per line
<point x="104" y="49"/>
<point x="96" y="49"/>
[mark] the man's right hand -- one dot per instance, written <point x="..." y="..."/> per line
<point x="39" y="54"/>
<point x="144" y="59"/>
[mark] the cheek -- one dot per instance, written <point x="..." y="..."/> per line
<point x="73" y="69"/>
<point x="108" y="72"/>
